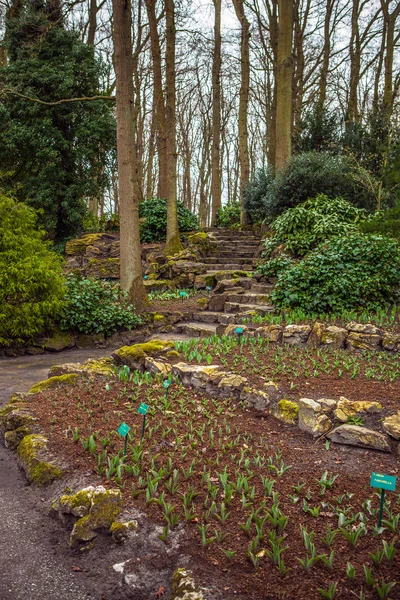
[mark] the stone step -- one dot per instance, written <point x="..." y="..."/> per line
<point x="236" y="307"/>
<point x="233" y="248"/>
<point x="194" y="329"/>
<point x="234" y="242"/>
<point x="225" y="260"/>
<point x="238" y="254"/>
<point x="230" y="267"/>
<point x="249" y="298"/>
<point x="262" y="288"/>
<point x="207" y="316"/>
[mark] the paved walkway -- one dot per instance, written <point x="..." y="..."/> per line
<point x="34" y="561"/>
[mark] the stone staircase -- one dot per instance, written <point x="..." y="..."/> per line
<point x="238" y="292"/>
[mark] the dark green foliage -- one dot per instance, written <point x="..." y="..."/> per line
<point x="312" y="222"/>
<point x="349" y="272"/>
<point x="31" y="280"/>
<point x="273" y="267"/>
<point x="386" y="222"/>
<point x="319" y="130"/>
<point x="313" y="173"/>
<point x="97" y="307"/>
<point x="229" y="216"/>
<point x="153" y="228"/>
<point x="55" y="157"/>
<point x="255" y="195"/>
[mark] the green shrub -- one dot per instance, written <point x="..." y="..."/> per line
<point x="313" y="173"/>
<point x="31" y="280"/>
<point x="153" y="213"/>
<point x="386" y="222"/>
<point x="97" y="307"/>
<point x="312" y="222"/>
<point x="345" y="273"/>
<point x="254" y="195"/>
<point x="229" y="216"/>
<point x="273" y="267"/>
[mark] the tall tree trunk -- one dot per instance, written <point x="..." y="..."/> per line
<point x="150" y="156"/>
<point x="130" y="254"/>
<point x="216" y="116"/>
<point x="353" y="115"/>
<point x="173" y="243"/>
<point x="158" y="99"/>
<point x="390" y="23"/>
<point x="326" y="54"/>
<point x="243" y="104"/>
<point x="284" y="85"/>
<point x="92" y="22"/>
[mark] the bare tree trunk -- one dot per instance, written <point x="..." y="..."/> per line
<point x="284" y="85"/>
<point x="130" y="254"/>
<point x="243" y="104"/>
<point x="150" y="157"/>
<point x="158" y="99"/>
<point x="390" y="23"/>
<point x="216" y="117"/>
<point x="92" y="22"/>
<point x="353" y="115"/>
<point x="326" y="54"/>
<point x="173" y="243"/>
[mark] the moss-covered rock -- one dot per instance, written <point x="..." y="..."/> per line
<point x="16" y="415"/>
<point x="13" y="438"/>
<point x="68" y="379"/>
<point x="134" y="356"/>
<point x="286" y="411"/>
<point x="183" y="586"/>
<point x="120" y="531"/>
<point x="59" y="340"/>
<point x="159" y="285"/>
<point x="202" y="303"/>
<point x="173" y="354"/>
<point x="96" y="508"/>
<point x="32" y="457"/>
<point x="346" y="408"/>
<point x="79" y="246"/>
<point x="99" y="366"/>
<point x="90" y="340"/>
<point x="103" y="268"/>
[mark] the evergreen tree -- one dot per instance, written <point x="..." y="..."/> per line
<point x="52" y="157"/>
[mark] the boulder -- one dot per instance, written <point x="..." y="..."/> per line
<point x="255" y="398"/>
<point x="96" y="508"/>
<point x="217" y="302"/>
<point x="196" y="375"/>
<point x="90" y="340"/>
<point x="103" y="268"/>
<point x="363" y="341"/>
<point x="156" y="366"/>
<point x="353" y="435"/>
<point x="391" y="342"/>
<point x="286" y="411"/>
<point x="34" y="459"/>
<point x="327" y="404"/>
<point x="231" y="384"/>
<point x="392" y="425"/>
<point x="273" y="333"/>
<point x="230" y="331"/>
<point x="296" y="335"/>
<point x="346" y="408"/>
<point x="59" y="340"/>
<point x="183" y="586"/>
<point x="312" y="419"/>
<point x="99" y="366"/>
<point x="332" y="336"/>
<point x="365" y="328"/>
<point x="68" y="379"/>
<point x="135" y="356"/>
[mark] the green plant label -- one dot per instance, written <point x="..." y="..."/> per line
<point x="383" y="482"/>
<point x="146" y="277"/>
<point x="239" y="330"/>
<point x="143" y="408"/>
<point x="166" y="383"/>
<point x="183" y="294"/>
<point x="123" y="429"/>
<point x="209" y="288"/>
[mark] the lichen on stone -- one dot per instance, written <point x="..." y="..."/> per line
<point x="70" y="379"/>
<point x="137" y="353"/>
<point x="287" y="411"/>
<point x="31" y="453"/>
<point x="183" y="586"/>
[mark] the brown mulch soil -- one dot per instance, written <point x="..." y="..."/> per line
<point x="202" y="438"/>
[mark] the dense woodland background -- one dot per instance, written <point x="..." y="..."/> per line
<point x="343" y="65"/>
